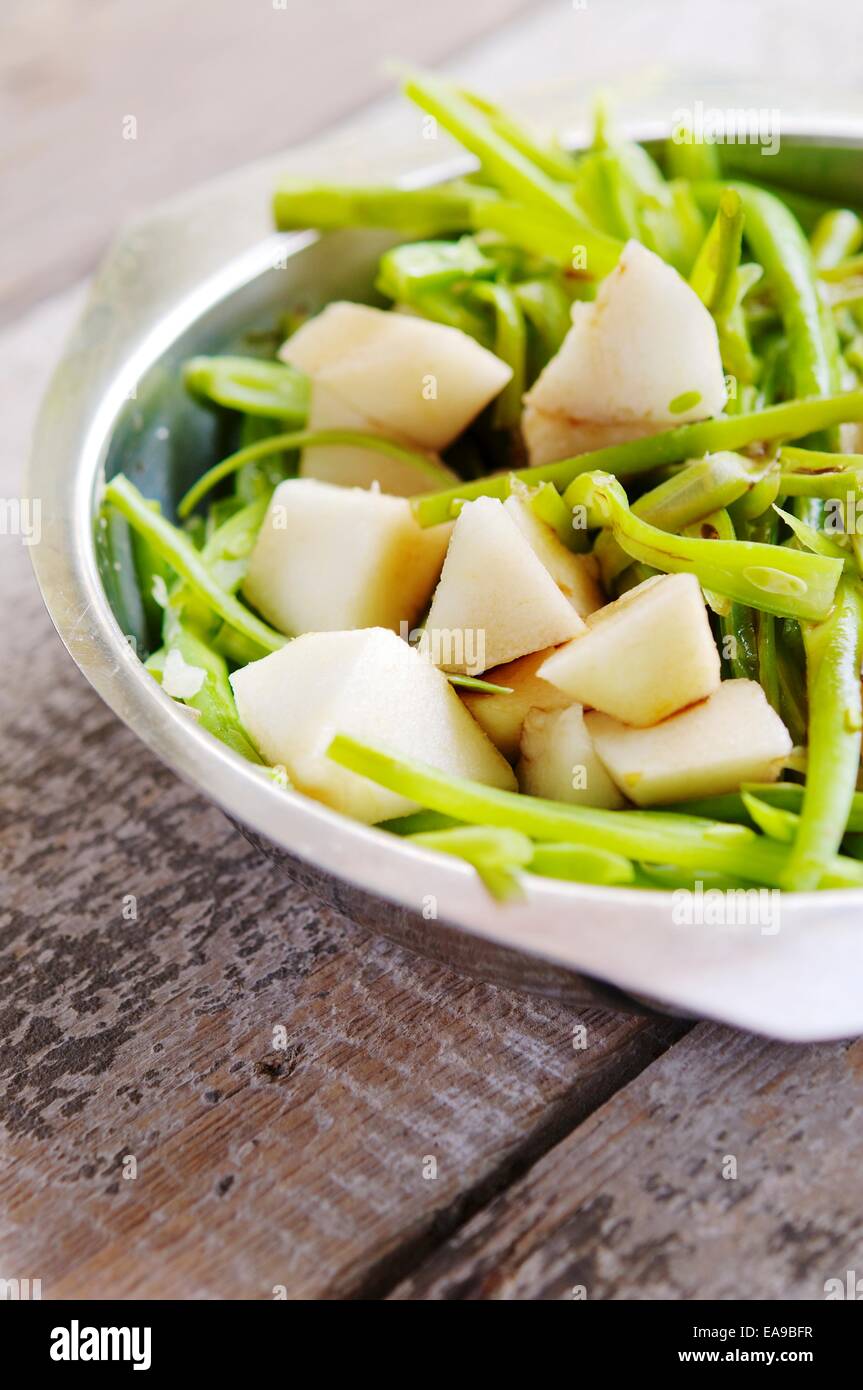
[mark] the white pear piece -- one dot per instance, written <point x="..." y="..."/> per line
<point x="348" y="466"/>
<point x="645" y="353"/>
<point x="424" y="381"/>
<point x="643" y="657"/>
<point x="375" y="687"/>
<point x="331" y="558"/>
<point x="495" y="597"/>
<point x="502" y="716"/>
<point x="734" y="736"/>
<point x="549" y="438"/>
<point x="575" y="575"/>
<point x="559" y="761"/>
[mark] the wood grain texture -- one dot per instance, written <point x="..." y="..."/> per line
<point x="639" y="1203"/>
<point x="152" y="1035"/>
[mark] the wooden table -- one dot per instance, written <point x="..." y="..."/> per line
<point x="213" y="1087"/>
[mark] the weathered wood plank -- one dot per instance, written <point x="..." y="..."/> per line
<point x="640" y="1201"/>
<point x="152" y="1035"/>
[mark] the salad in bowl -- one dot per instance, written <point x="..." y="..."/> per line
<point x="546" y="559"/>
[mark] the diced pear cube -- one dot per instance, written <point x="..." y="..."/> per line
<point x="734" y="736"/>
<point x="375" y="687"/>
<point x="643" y="657"/>
<point x="423" y="380"/>
<point x="348" y="466"/>
<point x="502" y="716"/>
<point x="331" y="558"/>
<point x="646" y="349"/>
<point x="494" y="595"/>
<point x="575" y="575"/>
<point x="559" y="762"/>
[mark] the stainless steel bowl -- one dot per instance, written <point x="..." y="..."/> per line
<point x="115" y="402"/>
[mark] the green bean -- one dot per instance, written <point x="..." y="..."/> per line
<point x="815" y="540"/>
<point x="771" y="820"/>
<point x="117" y="565"/>
<point x="215" y="700"/>
<point x="833" y="655"/>
<point x="811" y="473"/>
<point x="714" y="275"/>
<point x="772" y="578"/>
<point x="701" y="487"/>
<point x="787" y="796"/>
<point x="179" y="552"/>
<point x="226" y="553"/>
<point x="690" y="159"/>
<point x="493" y="851"/>
<point x="788" y="420"/>
<point x="547" y="310"/>
<point x="554" y="161"/>
<point x="579" y="864"/>
<point x="779" y="245"/>
<point x="550" y="507"/>
<point x="792" y="689"/>
<point x="609" y="196"/>
<point x="270" y="389"/>
<point x="446" y="207"/>
<point x="589" y="252"/>
<point x="518" y="177"/>
<point x="510" y="346"/>
<point x="474" y="683"/>
<point x="766" y="638"/>
<point x="261" y="475"/>
<point x="651" y="836"/>
<point x="407" y="270"/>
<point x="837" y="235"/>
<point x="301" y="439"/>
<point x="740" y="641"/>
<point x="418" y="821"/>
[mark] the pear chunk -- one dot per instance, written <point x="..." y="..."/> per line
<point x="643" y="657"/>
<point x="734" y="736"/>
<point x="502" y="716"/>
<point x="422" y="381"/>
<point x="575" y="575"/>
<point x="348" y="466"/>
<point x="375" y="687"/>
<point x="645" y="352"/>
<point x="495" y="600"/>
<point x="551" y="437"/>
<point x="559" y="761"/>
<point x="331" y="558"/>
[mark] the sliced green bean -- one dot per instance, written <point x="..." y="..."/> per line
<point x="510" y="345"/>
<point x="301" y="439"/>
<point x="837" y="235"/>
<point x="772" y="578"/>
<point x="179" y="552"/>
<point x="256" y="387"/>
<point x="650" y="836"/>
<point x="215" y="699"/>
<point x="834" y="649"/>
<point x="509" y="169"/>
<point x="493" y="851"/>
<point x="788" y="420"/>
<point x="579" y="864"/>
<point x="704" y="486"/>
<point x="430" y="211"/>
